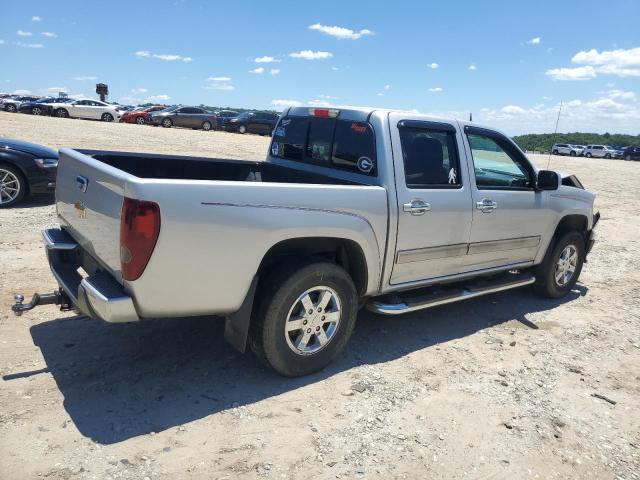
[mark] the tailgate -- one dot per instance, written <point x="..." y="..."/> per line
<point x="89" y="196"/>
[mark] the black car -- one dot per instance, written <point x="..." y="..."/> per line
<point x="25" y="169"/>
<point x="261" y="123"/>
<point x="42" y="106"/>
<point x="224" y="116"/>
<point x="631" y="153"/>
<point x="12" y="104"/>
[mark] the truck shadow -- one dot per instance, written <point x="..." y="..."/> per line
<point x="121" y="381"/>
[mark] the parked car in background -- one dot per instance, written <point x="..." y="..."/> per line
<point x="618" y="151"/>
<point x="566" y="149"/>
<point x="631" y="153"/>
<point x="25" y="169"/>
<point x="43" y="106"/>
<point x="13" y="104"/>
<point x="180" y="116"/>
<point x="599" y="151"/>
<point x="261" y="123"/>
<point x="224" y="116"/>
<point x="138" y="115"/>
<point x="89" y="109"/>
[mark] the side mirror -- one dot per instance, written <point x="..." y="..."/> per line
<point x="547" y="180"/>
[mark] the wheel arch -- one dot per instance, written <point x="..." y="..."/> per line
<point x="343" y="252"/>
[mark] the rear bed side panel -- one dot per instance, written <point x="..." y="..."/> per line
<point x="215" y="234"/>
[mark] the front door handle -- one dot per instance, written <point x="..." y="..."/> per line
<point x="486" y="205"/>
<point x="416" y="207"/>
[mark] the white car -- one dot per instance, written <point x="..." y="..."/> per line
<point x="566" y="149"/>
<point x="91" y="109"/>
<point x="599" y="151"/>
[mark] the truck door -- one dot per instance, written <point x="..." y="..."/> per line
<point x="509" y="215"/>
<point x="434" y="199"/>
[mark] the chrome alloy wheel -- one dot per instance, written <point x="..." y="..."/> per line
<point x="313" y="320"/>
<point x="566" y="265"/>
<point x="9" y="186"/>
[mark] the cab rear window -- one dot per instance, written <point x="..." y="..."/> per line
<point x="327" y="142"/>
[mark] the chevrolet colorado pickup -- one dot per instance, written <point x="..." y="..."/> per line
<point x="388" y="210"/>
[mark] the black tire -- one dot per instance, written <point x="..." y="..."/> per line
<point x="607" y="156"/>
<point x="167" y="123"/>
<point x="555" y="152"/>
<point x="572" y="153"/>
<point x="10" y="107"/>
<point x="588" y="155"/>
<point x="140" y="120"/>
<point x="22" y="185"/>
<point x="36" y="111"/>
<point x="280" y="292"/>
<point x="107" y="117"/>
<point x="546" y="281"/>
<point x="62" y="113"/>
<point x="628" y="157"/>
<point x="242" y="129"/>
<point x="206" y="126"/>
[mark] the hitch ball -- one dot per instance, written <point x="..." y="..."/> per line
<point x="19" y="299"/>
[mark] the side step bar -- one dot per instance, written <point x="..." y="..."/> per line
<point x="413" y="303"/>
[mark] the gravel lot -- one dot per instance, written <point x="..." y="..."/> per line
<point x="498" y="387"/>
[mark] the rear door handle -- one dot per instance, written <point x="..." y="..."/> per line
<point x="486" y="205"/>
<point x="416" y="207"/>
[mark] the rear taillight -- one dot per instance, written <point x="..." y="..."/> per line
<point x="139" y="230"/>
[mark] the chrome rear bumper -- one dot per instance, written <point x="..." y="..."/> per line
<point x="98" y="295"/>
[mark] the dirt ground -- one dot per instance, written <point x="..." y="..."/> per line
<point x="498" y="387"/>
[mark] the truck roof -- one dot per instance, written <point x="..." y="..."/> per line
<point x="362" y="114"/>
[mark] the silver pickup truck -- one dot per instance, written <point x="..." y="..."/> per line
<point x="388" y="210"/>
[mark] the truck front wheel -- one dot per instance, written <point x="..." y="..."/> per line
<point x="303" y="318"/>
<point x="559" y="271"/>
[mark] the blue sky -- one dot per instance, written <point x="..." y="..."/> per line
<point x="510" y="63"/>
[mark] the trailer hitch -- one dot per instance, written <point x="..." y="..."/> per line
<point x="56" y="298"/>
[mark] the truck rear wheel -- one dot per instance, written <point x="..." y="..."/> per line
<point x="303" y="318"/>
<point x="559" y="271"/>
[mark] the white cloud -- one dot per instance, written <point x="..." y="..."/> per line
<point x="335" y="69"/>
<point x="35" y="19"/>
<point x="219" y="83"/>
<point x="285" y="103"/>
<point x="82" y="79"/>
<point x="436" y="89"/>
<point x="22" y="33"/>
<point x="50" y="34"/>
<point x="534" y="41"/>
<point x="29" y="45"/>
<point x="165" y="57"/>
<point x="139" y="90"/>
<point x="380" y="94"/>
<point x="433" y="66"/>
<point x="1" y="42"/>
<point x="576" y="73"/>
<point x="257" y="70"/>
<point x="387" y="87"/>
<point x="341" y="33"/>
<point x="22" y="92"/>
<point x="274" y="71"/>
<point x="157" y="99"/>
<point x="311" y="55"/>
<point x="472" y="67"/>
<point x="623" y="63"/>
<point x="266" y="59"/>
<point x="613" y="111"/>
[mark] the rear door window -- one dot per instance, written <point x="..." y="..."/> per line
<point x="327" y="142"/>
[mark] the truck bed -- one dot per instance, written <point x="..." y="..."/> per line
<point x="196" y="168"/>
<point x="217" y="215"/>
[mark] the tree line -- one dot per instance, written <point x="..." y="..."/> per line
<point x="543" y="142"/>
